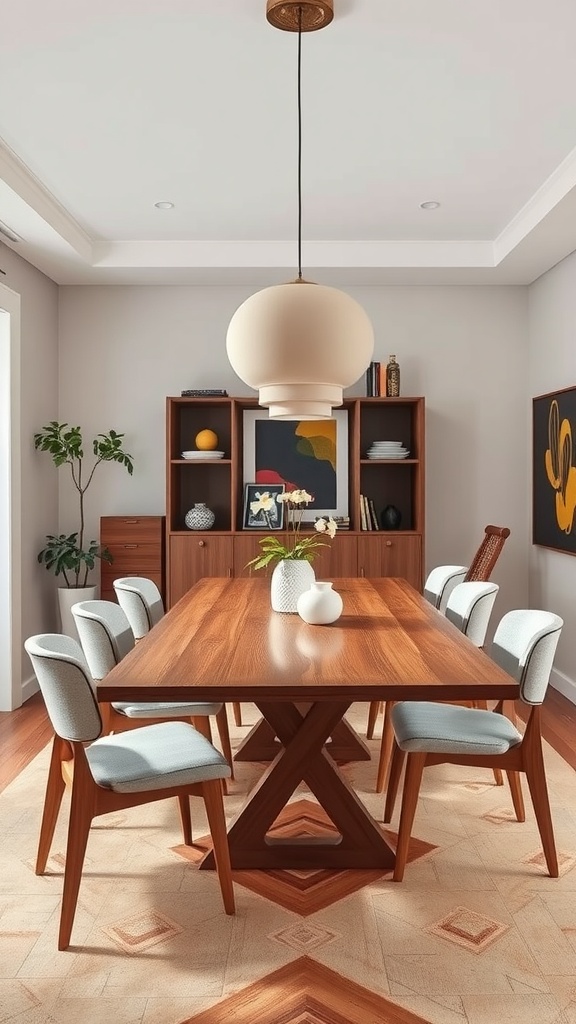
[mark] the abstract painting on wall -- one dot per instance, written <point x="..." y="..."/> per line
<point x="554" y="470"/>
<point x="311" y="455"/>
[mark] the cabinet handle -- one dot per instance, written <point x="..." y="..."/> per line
<point x="362" y="571"/>
<point x="229" y="573"/>
<point x="130" y="545"/>
<point x="201" y="543"/>
<point x="388" y="543"/>
<point x="131" y="521"/>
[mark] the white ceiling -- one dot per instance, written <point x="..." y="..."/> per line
<point x="106" y="108"/>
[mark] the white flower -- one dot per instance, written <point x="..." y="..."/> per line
<point x="300" y="497"/>
<point x="284" y="497"/>
<point x="264" y="503"/>
<point x="328" y="526"/>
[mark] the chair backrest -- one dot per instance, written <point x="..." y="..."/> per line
<point x="487" y="555"/>
<point x="470" y="607"/>
<point x="440" y="583"/>
<point x="141" y="601"/>
<point x="524" y="646"/>
<point x="66" y="685"/>
<point x="104" y="633"/>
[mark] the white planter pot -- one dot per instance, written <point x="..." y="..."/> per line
<point x="290" y="579"/>
<point x="67" y="596"/>
<point x="320" y="604"/>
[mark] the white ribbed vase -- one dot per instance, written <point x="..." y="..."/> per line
<point x="320" y="604"/>
<point x="291" y="578"/>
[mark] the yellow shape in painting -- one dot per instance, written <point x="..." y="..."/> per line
<point x="318" y="440"/>
<point x="206" y="440"/>
<point x="559" y="469"/>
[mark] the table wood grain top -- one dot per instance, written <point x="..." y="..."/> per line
<point x="223" y="642"/>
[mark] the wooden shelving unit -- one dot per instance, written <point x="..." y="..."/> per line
<point x="225" y="549"/>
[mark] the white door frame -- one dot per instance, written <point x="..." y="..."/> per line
<point x="10" y="503"/>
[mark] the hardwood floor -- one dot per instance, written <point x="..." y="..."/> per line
<point x="25" y="732"/>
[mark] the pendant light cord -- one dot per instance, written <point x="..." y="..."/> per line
<point x="299" y="144"/>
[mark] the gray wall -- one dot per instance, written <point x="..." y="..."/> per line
<point x="552" y="366"/>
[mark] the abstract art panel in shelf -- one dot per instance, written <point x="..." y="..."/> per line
<point x="554" y="470"/>
<point x="300" y="454"/>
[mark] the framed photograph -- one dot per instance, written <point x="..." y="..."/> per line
<point x="311" y="455"/>
<point x="554" y="470"/>
<point x="263" y="516"/>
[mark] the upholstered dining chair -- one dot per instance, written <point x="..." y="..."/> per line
<point x="469" y="608"/>
<point x="106" y="637"/>
<point x="439" y="584"/>
<point x="524" y="645"/>
<point x="142" y="602"/>
<point x="110" y="773"/>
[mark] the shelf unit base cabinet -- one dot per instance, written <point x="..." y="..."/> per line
<point x="385" y="554"/>
<point x="193" y="557"/>
<point x="136" y="544"/>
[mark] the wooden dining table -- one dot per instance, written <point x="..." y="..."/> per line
<point x="222" y="642"/>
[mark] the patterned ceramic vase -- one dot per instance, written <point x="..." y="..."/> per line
<point x="320" y="604"/>
<point x="291" y="578"/>
<point x="200" y="517"/>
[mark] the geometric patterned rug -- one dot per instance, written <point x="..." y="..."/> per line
<point x="476" y="933"/>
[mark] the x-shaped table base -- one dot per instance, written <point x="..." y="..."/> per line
<point x="304" y="758"/>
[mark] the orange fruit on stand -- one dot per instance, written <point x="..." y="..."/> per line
<point x="206" y="440"/>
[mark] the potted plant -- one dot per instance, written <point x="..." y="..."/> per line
<point x="68" y="555"/>
<point x="293" y="574"/>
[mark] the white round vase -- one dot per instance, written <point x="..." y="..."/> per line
<point x="291" y="578"/>
<point x="320" y="605"/>
<point x="68" y="596"/>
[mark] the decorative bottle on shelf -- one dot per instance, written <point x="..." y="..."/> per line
<point x="392" y="378"/>
<point x="200" y="517"/>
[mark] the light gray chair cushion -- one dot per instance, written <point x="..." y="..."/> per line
<point x="440" y="582"/>
<point x="141" y="601"/>
<point x="155" y="757"/>
<point x="105" y="634"/>
<point x="66" y="685"/>
<point x="469" y="608"/>
<point x="164" y="710"/>
<point x="450" y="729"/>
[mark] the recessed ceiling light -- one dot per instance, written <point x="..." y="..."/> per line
<point x="431" y="205"/>
<point x="164" y="205"/>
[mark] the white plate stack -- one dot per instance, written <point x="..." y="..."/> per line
<point x="387" y="450"/>
<point x="202" y="455"/>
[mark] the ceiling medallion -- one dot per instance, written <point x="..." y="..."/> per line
<point x="285" y="14"/>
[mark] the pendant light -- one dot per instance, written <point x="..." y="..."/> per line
<point x="300" y="344"/>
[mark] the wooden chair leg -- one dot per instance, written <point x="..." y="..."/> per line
<point x="212" y="792"/>
<point x="517" y="798"/>
<point x="224" y="734"/>
<point x="498" y="779"/>
<point x="539" y="792"/>
<point x="185" y="819"/>
<point x="373" y="713"/>
<point x="412" y="780"/>
<point x="396" y="763"/>
<point x="81" y="814"/>
<point x="202" y="725"/>
<point x="55" y="787"/>
<point x="237" y="708"/>
<point x="385" y="747"/>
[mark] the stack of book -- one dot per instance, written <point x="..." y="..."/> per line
<point x="204" y="393"/>
<point x="368" y="517"/>
<point x="342" y="522"/>
<point x="376" y="380"/>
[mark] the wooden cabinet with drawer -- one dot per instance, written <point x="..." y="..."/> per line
<point x="395" y="555"/>
<point x="136" y="544"/>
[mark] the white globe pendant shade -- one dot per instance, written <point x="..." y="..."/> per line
<point x="300" y="345"/>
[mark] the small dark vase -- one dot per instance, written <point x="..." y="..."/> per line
<point x="390" y="518"/>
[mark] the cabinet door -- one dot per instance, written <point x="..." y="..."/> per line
<point x="192" y="558"/>
<point x="246" y="547"/>
<point x="339" y="559"/>
<point x="386" y="555"/>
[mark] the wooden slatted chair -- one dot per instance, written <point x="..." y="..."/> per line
<point x="487" y="554"/>
<point x="110" y="773"/>
<point x="524" y="645"/>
